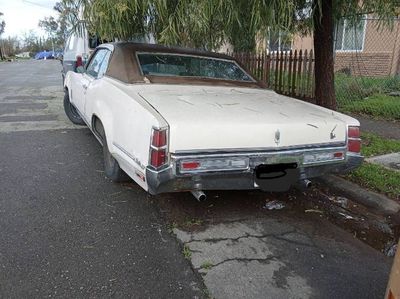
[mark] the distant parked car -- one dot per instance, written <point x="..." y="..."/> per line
<point x="77" y="50"/>
<point x="178" y="119"/>
<point x="44" y="55"/>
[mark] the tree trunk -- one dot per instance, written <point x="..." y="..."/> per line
<point x="323" y="47"/>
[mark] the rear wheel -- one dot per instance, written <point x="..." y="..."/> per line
<point x="111" y="167"/>
<point x="71" y="111"/>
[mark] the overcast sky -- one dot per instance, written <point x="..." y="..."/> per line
<point x="23" y="15"/>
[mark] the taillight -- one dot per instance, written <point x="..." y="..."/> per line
<point x="159" y="148"/>
<point x="214" y="164"/>
<point x="354" y="140"/>
<point x="190" y="165"/>
<point x="79" y="61"/>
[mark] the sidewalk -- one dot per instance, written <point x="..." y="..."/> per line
<point x="384" y="128"/>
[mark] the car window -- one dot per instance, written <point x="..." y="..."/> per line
<point x="162" y="64"/>
<point x="104" y="64"/>
<point x="98" y="64"/>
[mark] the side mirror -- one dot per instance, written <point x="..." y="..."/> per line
<point x="80" y="69"/>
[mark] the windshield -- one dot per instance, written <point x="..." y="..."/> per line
<point x="176" y="65"/>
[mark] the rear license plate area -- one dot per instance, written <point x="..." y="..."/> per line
<point x="276" y="177"/>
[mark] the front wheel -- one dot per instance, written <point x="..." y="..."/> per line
<point x="71" y="111"/>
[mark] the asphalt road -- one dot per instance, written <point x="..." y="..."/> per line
<point x="67" y="231"/>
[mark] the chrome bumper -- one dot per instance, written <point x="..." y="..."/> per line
<point x="170" y="180"/>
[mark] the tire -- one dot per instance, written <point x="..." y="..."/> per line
<point x="71" y="111"/>
<point x="111" y="166"/>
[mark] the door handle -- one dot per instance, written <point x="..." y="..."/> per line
<point x="84" y="86"/>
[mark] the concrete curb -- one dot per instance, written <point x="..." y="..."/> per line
<point x="380" y="203"/>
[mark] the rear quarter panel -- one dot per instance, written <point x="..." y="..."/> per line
<point x="127" y="120"/>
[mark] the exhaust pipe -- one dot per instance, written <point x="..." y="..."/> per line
<point x="199" y="195"/>
<point x="307" y="183"/>
<point x="304" y="184"/>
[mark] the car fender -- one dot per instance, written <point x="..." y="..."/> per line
<point x="67" y="81"/>
<point x="103" y="113"/>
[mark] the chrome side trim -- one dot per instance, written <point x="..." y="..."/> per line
<point x="133" y="158"/>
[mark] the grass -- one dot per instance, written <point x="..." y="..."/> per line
<point x="368" y="95"/>
<point x="192" y="222"/>
<point x="206" y="265"/>
<point x="376" y="177"/>
<point x="373" y="145"/>
<point x="378" y="105"/>
<point x="186" y="252"/>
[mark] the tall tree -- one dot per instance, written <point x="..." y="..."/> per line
<point x="2" y="27"/>
<point x="208" y="23"/>
<point x="50" y="25"/>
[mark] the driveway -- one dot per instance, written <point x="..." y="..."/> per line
<point x="67" y="231"/>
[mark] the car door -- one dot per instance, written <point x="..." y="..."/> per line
<point x="94" y="71"/>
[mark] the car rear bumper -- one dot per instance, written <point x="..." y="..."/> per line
<point x="171" y="180"/>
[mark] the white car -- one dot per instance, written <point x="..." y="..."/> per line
<point x="176" y="119"/>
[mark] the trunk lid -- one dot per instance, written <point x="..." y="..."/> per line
<point x="205" y="118"/>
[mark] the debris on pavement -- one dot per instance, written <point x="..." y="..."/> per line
<point x="314" y="211"/>
<point x="274" y="205"/>
<point x="346" y="216"/>
<point x="390" y="249"/>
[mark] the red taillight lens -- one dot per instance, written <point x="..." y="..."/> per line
<point x="338" y="155"/>
<point x="190" y="165"/>
<point x="159" y="138"/>
<point x="158" y="157"/>
<point x="159" y="148"/>
<point x="354" y="132"/>
<point x="354" y="141"/>
<point x="79" y="61"/>
<point x="354" y="146"/>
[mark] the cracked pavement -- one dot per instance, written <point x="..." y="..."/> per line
<point x="279" y="257"/>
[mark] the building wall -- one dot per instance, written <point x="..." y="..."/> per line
<point x="380" y="55"/>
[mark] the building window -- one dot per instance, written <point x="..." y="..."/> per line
<point x="350" y="36"/>
<point x="279" y="41"/>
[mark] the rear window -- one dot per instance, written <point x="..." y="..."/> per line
<point x="176" y="65"/>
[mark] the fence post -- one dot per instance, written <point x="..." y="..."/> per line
<point x="289" y="76"/>
<point x="267" y="68"/>
<point x="303" y="83"/>
<point x="294" y="74"/>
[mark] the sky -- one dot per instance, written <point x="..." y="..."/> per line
<point x="24" y="15"/>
